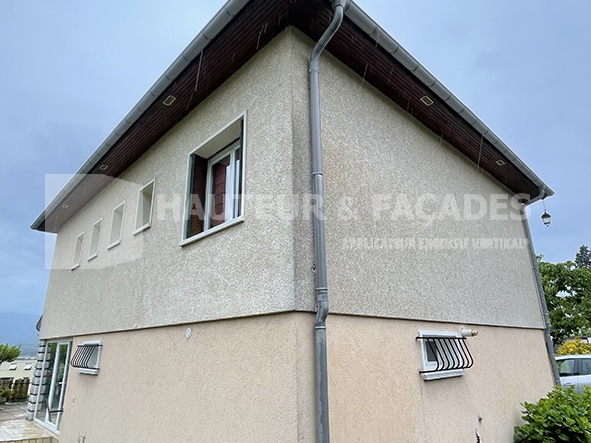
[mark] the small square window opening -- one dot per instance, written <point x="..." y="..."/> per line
<point x="116" y="226"/>
<point x="78" y="251"/>
<point x="87" y="357"/>
<point x="94" y="239"/>
<point x="444" y="354"/>
<point x="145" y="205"/>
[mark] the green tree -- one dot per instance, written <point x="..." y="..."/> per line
<point x="568" y="295"/>
<point x="9" y="353"/>
<point x="583" y="258"/>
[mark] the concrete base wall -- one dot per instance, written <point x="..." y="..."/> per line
<point x="232" y="381"/>
<point x="378" y="395"/>
<point x="252" y="380"/>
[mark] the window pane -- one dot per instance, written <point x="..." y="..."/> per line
<point x="198" y="184"/>
<point x="566" y="367"/>
<point x="431" y="348"/>
<point x="586" y="366"/>
<point x="219" y="174"/>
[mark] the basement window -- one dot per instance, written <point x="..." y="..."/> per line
<point x="28" y="366"/>
<point x="78" y="251"/>
<point x="94" y="239"/>
<point x="87" y="357"/>
<point x="215" y="183"/>
<point x="444" y="355"/>
<point x="12" y="367"/>
<point x="145" y="204"/>
<point x="116" y="226"/>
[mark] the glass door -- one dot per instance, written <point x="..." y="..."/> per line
<point x="52" y="390"/>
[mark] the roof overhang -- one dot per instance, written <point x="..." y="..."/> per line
<point x="234" y="35"/>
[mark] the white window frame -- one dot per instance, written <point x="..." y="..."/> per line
<point x="232" y="186"/>
<point x="430" y="365"/>
<point x="78" y="251"/>
<point x="13" y="367"/>
<point x="28" y="366"/>
<point x="93" y="254"/>
<point x="147" y="224"/>
<point x="239" y="206"/>
<point x="119" y="208"/>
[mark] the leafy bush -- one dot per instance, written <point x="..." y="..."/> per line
<point x="564" y="416"/>
<point x="574" y="347"/>
<point x="6" y="393"/>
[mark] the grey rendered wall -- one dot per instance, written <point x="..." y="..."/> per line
<point x="265" y="264"/>
<point x="149" y="280"/>
<point x="373" y="147"/>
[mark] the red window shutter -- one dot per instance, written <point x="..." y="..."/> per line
<point x="198" y="195"/>
<point x="219" y="193"/>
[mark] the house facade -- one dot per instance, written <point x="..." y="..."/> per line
<point x="187" y="244"/>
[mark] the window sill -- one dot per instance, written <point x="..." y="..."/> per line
<point x="88" y="371"/>
<point x="77" y="265"/>
<point x="211" y="231"/>
<point x="92" y="256"/>
<point x="112" y="245"/>
<point x="442" y="374"/>
<point x="141" y="228"/>
<point x="43" y="424"/>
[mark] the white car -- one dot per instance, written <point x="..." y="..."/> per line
<point x="574" y="370"/>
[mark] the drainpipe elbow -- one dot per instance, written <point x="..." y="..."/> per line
<point x="322" y="310"/>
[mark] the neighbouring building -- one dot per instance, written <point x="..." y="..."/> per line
<point x="20" y="368"/>
<point x="186" y="247"/>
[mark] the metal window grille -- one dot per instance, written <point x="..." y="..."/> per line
<point x="83" y="356"/>
<point x="447" y="353"/>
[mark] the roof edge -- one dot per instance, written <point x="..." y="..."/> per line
<point x="193" y="49"/>
<point x="375" y="31"/>
<point x="218" y="23"/>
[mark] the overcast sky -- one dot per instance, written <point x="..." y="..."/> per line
<point x="70" y="70"/>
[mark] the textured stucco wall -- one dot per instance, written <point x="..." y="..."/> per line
<point x="149" y="280"/>
<point x="265" y="264"/>
<point x="372" y="147"/>
<point x="240" y="380"/>
<point x="377" y="394"/>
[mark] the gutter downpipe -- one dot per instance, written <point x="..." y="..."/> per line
<point x="323" y="430"/>
<point x="543" y="304"/>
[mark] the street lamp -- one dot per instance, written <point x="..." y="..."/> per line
<point x="546" y="218"/>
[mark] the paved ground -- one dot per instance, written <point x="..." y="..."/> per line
<point x="14" y="426"/>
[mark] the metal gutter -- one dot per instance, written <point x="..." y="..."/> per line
<point x="209" y="32"/>
<point x="371" y="28"/>
<point x="323" y="428"/>
<point x="542" y="296"/>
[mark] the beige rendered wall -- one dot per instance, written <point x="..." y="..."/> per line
<point x="20" y="371"/>
<point x="252" y="380"/>
<point x="373" y="148"/>
<point x="149" y="280"/>
<point x="240" y="380"/>
<point x="378" y="395"/>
